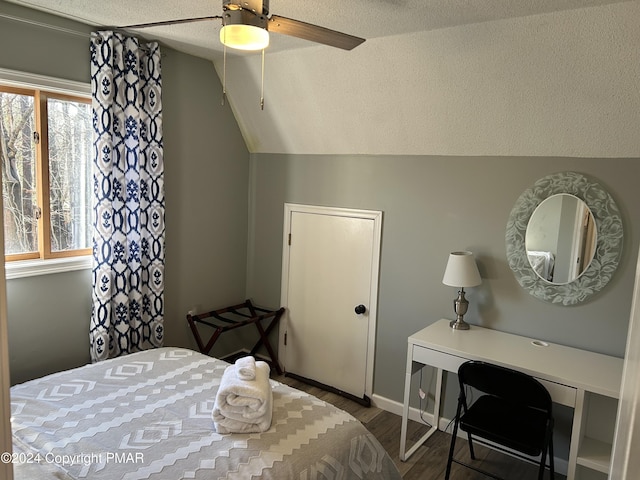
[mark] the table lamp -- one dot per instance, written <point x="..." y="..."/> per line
<point x="461" y="272"/>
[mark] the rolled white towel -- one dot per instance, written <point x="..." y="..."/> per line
<point x="246" y="368"/>
<point x="243" y="406"/>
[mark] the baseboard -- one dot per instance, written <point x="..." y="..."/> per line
<point x="561" y="465"/>
<point x="396" y="407"/>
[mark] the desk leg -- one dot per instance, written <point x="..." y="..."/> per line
<point x="576" y="433"/>
<point x="404" y="454"/>
<point x="437" y="400"/>
<point x="405" y="416"/>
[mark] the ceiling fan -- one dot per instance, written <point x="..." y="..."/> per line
<point x="246" y="25"/>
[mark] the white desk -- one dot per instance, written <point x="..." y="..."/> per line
<point x="568" y="373"/>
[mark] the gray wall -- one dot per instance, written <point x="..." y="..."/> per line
<point x="432" y="206"/>
<point x="206" y="187"/>
<point x="48" y="326"/>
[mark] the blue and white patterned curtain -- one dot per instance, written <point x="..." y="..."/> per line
<point x="128" y="240"/>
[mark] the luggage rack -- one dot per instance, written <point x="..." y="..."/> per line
<point x="236" y="316"/>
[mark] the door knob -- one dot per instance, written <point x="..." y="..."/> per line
<point x="360" y="309"/>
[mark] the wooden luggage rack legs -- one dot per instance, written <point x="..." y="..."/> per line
<point x="237" y="316"/>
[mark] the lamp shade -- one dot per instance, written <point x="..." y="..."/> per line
<point x="461" y="270"/>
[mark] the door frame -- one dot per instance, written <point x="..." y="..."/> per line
<point x="6" y="437"/>
<point x="626" y="439"/>
<point x="376" y="216"/>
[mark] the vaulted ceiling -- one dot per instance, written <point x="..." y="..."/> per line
<point x="364" y="18"/>
<point x="434" y="77"/>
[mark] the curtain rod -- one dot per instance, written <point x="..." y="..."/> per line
<point x="69" y="31"/>
<point x="44" y="25"/>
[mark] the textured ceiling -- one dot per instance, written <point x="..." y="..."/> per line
<point x="364" y="18"/>
<point x="435" y="77"/>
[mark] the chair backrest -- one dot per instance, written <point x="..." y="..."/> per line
<point x="506" y="383"/>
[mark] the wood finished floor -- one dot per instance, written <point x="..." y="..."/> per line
<point x="430" y="460"/>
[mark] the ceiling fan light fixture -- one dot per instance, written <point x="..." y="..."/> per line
<point x="244" y="37"/>
<point x="244" y="30"/>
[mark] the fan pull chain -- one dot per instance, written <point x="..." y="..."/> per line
<point x="262" y="84"/>
<point x="224" y="73"/>
<point x="224" y="78"/>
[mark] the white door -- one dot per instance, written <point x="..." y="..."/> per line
<point x="330" y="274"/>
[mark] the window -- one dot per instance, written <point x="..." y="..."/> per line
<point x="45" y="149"/>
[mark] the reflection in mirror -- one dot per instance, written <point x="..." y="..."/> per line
<point x="561" y="239"/>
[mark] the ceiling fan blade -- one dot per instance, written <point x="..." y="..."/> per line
<point x="314" y="33"/>
<point x="172" y="22"/>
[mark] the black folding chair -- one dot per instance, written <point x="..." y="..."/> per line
<point x="512" y="414"/>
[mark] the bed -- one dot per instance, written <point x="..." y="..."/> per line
<point x="542" y="263"/>
<point x="148" y="416"/>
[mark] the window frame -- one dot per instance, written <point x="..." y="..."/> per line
<point x="44" y="261"/>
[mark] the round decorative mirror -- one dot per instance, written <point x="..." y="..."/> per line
<point x="561" y="238"/>
<point x="560" y="213"/>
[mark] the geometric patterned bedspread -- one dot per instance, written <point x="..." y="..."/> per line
<point x="148" y="416"/>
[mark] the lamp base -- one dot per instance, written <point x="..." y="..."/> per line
<point x="459" y="324"/>
<point x="460" y="306"/>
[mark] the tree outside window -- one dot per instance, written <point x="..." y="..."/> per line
<point x="45" y="153"/>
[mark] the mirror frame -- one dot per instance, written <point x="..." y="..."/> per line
<point x="608" y="242"/>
